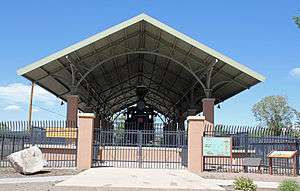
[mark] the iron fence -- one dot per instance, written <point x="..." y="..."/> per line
<point x="156" y="148"/>
<point x="56" y="139"/>
<point x="252" y="145"/>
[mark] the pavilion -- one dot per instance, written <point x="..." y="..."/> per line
<point x="101" y="73"/>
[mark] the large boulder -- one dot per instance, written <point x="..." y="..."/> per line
<point x="27" y="161"/>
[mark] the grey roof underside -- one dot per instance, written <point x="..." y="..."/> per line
<point x="115" y="81"/>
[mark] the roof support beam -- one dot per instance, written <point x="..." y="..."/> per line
<point x="165" y="43"/>
<point x="110" y="46"/>
<point x="55" y="78"/>
<point x="141" y="52"/>
<point x="181" y="69"/>
<point x="168" y="63"/>
<point x="156" y="47"/>
<point x="177" y="92"/>
<point x="152" y="90"/>
<point x="74" y="89"/>
<point x="228" y="82"/>
<point x="156" y="66"/>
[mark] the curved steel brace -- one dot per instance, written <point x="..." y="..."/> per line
<point x="140" y="52"/>
<point x="73" y="75"/>
<point x="208" y="89"/>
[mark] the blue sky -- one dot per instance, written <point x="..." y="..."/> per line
<point x="258" y="34"/>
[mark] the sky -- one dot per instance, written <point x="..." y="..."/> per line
<point x="258" y="34"/>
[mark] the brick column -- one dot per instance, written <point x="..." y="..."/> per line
<point x="208" y="109"/>
<point x="195" y="135"/>
<point x="85" y="140"/>
<point x="72" y="107"/>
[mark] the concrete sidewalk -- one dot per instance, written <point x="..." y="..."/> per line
<point x="144" y="179"/>
<point x="119" y="179"/>
<point x="219" y="182"/>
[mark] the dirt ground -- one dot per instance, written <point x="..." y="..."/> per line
<point x="41" y="186"/>
<point x="230" y="188"/>
<point x="11" y="173"/>
<point x="253" y="176"/>
<point x="45" y="186"/>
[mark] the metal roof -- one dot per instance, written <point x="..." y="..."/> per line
<point x="141" y="51"/>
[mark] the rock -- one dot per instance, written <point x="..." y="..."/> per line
<point x="27" y="161"/>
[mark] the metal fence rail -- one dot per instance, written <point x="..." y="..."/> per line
<point x="253" y="143"/>
<point x="140" y="148"/>
<point x="56" y="139"/>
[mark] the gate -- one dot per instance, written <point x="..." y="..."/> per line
<point x="139" y="148"/>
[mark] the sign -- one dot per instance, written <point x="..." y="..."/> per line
<point x="282" y="154"/>
<point x="217" y="146"/>
<point x="252" y="162"/>
<point x="68" y="133"/>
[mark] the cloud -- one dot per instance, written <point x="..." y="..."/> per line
<point x="295" y="72"/>
<point x="12" y="108"/>
<point x="19" y="93"/>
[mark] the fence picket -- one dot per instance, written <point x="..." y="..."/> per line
<point x="58" y="144"/>
<point x="253" y="142"/>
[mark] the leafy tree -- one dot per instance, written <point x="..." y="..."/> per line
<point x="297" y="20"/>
<point x="274" y="113"/>
<point x="298" y="119"/>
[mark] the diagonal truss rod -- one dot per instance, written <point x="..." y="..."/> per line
<point x="90" y="87"/>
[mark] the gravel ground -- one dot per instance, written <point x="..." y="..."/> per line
<point x="45" y="186"/>
<point x="41" y="186"/>
<point x="253" y="176"/>
<point x="230" y="188"/>
<point x="11" y="173"/>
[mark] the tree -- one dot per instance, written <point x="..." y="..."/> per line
<point x="298" y="119"/>
<point x="274" y="113"/>
<point x="297" y="21"/>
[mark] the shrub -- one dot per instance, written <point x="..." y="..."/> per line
<point x="289" y="185"/>
<point x="244" y="184"/>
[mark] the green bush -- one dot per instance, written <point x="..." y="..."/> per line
<point x="244" y="184"/>
<point x="289" y="185"/>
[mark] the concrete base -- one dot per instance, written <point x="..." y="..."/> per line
<point x="120" y="179"/>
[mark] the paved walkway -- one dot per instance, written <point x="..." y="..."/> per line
<point x="144" y="179"/>
<point x="119" y="179"/>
